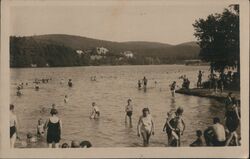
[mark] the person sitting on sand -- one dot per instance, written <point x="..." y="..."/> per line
<point x="31" y="138"/>
<point x="95" y="111"/>
<point x="177" y="126"/>
<point x="129" y="111"/>
<point x="75" y="144"/>
<point x="215" y="135"/>
<point x="70" y="83"/>
<point x="85" y="144"/>
<point x="198" y="141"/>
<point x="40" y="128"/>
<point x="66" y="99"/>
<point x="172" y="88"/>
<point x="145" y="126"/>
<point x="65" y="145"/>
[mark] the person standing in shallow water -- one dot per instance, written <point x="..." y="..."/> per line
<point x="95" y="114"/>
<point x="145" y="82"/>
<point x="145" y="126"/>
<point x="177" y="126"/>
<point x="129" y="111"/>
<point x="139" y="84"/>
<point x="13" y="126"/>
<point x="199" y="79"/>
<point x="54" y="129"/>
<point x="70" y="83"/>
<point x="172" y="88"/>
<point x="232" y="121"/>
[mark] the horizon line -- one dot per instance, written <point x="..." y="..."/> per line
<point x="104" y="40"/>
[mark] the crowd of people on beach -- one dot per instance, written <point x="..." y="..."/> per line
<point x="214" y="135"/>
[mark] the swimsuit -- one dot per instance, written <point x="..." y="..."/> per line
<point x="54" y="132"/>
<point x="12" y="131"/>
<point x="129" y="113"/>
<point x="146" y="124"/>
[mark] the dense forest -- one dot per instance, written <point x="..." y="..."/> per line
<point x="60" y="50"/>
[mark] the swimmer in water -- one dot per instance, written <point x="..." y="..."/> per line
<point x="95" y="111"/>
<point x="129" y="111"/>
<point x="145" y="82"/>
<point x="139" y="84"/>
<point x="18" y="93"/>
<point x="145" y="126"/>
<point x="70" y="84"/>
<point x="66" y="99"/>
<point x="40" y="128"/>
<point x="62" y="81"/>
<point x="172" y="88"/>
<point x="36" y="87"/>
<point x="53" y="106"/>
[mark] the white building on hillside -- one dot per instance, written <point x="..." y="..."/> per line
<point x="101" y="50"/>
<point x="128" y="54"/>
<point x="79" y="52"/>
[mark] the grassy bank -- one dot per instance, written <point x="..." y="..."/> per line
<point x="209" y="93"/>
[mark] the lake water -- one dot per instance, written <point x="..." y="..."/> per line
<point x="115" y="84"/>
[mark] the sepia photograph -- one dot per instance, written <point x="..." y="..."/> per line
<point x="125" y="74"/>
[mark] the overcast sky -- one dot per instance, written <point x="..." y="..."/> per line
<point x="166" y="24"/>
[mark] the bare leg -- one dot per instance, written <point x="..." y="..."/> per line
<point x="148" y="136"/>
<point x="13" y="140"/>
<point x="50" y="145"/>
<point x="144" y="136"/>
<point x="229" y="139"/>
<point x="125" y="118"/>
<point x="236" y="138"/>
<point x="56" y="145"/>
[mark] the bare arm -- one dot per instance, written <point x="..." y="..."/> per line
<point x="60" y="121"/>
<point x="184" y="126"/>
<point x="139" y="127"/>
<point x="153" y="127"/>
<point x="237" y="113"/>
<point x="45" y="125"/>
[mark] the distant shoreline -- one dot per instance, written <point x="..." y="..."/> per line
<point x="183" y="64"/>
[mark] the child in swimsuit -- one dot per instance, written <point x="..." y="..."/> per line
<point x="40" y="128"/>
<point x="95" y="112"/>
<point x="145" y="126"/>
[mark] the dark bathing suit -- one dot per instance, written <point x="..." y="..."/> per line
<point x="129" y="113"/>
<point x="54" y="132"/>
<point x="12" y="131"/>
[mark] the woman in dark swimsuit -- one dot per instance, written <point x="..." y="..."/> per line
<point x="54" y="128"/>
<point x="232" y="121"/>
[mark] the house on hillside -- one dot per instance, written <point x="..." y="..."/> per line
<point x="102" y="50"/>
<point x="33" y="65"/>
<point x="128" y="54"/>
<point x="79" y="52"/>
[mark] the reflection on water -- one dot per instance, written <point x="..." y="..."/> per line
<point x="113" y="86"/>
